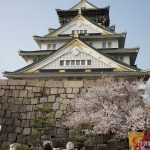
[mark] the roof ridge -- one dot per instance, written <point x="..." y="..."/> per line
<point x="81" y="2"/>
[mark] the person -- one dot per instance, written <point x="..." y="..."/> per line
<point x="81" y="147"/>
<point x="70" y="146"/>
<point x="47" y="146"/>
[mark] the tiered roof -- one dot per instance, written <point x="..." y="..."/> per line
<point x="86" y="14"/>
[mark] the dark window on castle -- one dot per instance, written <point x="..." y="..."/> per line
<point x="72" y="62"/>
<point x="62" y="63"/>
<point x="67" y="62"/>
<point x="85" y="31"/>
<point x="109" y="44"/>
<point x="51" y="46"/>
<point x="91" y="44"/>
<point x="103" y="44"/>
<point x="82" y="62"/>
<point x="78" y="62"/>
<point x="88" y="62"/>
<point x="81" y="31"/>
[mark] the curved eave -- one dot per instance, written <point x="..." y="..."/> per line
<point x="76" y="10"/>
<point x="35" y="53"/>
<point x="144" y="75"/>
<point x="87" y="36"/>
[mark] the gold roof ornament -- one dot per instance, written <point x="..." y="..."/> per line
<point x="75" y="34"/>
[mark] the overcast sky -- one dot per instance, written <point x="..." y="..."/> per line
<point x="21" y="19"/>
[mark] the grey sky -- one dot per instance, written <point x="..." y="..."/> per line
<point x="21" y="19"/>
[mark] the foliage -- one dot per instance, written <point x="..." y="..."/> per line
<point x="23" y="148"/>
<point x="4" y="148"/>
<point x="42" y="124"/>
<point x="110" y="107"/>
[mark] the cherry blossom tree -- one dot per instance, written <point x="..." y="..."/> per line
<point x="110" y="107"/>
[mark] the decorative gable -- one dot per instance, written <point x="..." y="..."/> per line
<point x="82" y="25"/>
<point x="83" y="4"/>
<point x="76" y="55"/>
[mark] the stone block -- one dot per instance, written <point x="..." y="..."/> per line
<point x="69" y="90"/>
<point x="37" y="83"/>
<point x="29" y="108"/>
<point x="28" y="88"/>
<point x="63" y="95"/>
<point x="63" y="107"/>
<point x="37" y="89"/>
<point x="38" y="94"/>
<point x="18" y="130"/>
<point x="23" y="116"/>
<point x="71" y="96"/>
<point x="9" y="121"/>
<point x="19" y="101"/>
<point x="5" y="144"/>
<point x="5" y="106"/>
<point x="34" y="101"/>
<point x="3" y="137"/>
<point x="15" y="93"/>
<point x="12" y="137"/>
<point x="4" y="99"/>
<point x="58" y="114"/>
<point x="23" y="93"/>
<point x="51" y="98"/>
<point x="26" y="101"/>
<point x="61" y="90"/>
<point x="10" y="129"/>
<point x="14" y="108"/>
<point x="62" y="133"/>
<point x="46" y="91"/>
<point x="73" y="84"/>
<point x="30" y="115"/>
<point x="55" y="106"/>
<point x="25" y="123"/>
<point x="2" y="113"/>
<point x="43" y="100"/>
<point x="54" y="90"/>
<point x="8" y="93"/>
<point x="83" y="90"/>
<point x="15" y="115"/>
<point x="40" y="105"/>
<point x="12" y="87"/>
<point x="18" y="87"/>
<point x="17" y="122"/>
<point x="3" y="82"/>
<point x="89" y="83"/>
<point x="76" y="90"/>
<point x="66" y="101"/>
<point x="34" y="131"/>
<point x="8" y="114"/>
<point x="53" y="84"/>
<point x="26" y="131"/>
<point x="48" y="105"/>
<point x="11" y="100"/>
<point x="59" y="100"/>
<point x="21" y="139"/>
<point x="2" y="92"/>
<point x="16" y="82"/>
<point x="22" y="108"/>
<point x="30" y="94"/>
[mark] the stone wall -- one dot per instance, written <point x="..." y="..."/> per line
<point x="19" y="100"/>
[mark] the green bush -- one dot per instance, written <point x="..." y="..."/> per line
<point x="4" y="148"/>
<point x="23" y="148"/>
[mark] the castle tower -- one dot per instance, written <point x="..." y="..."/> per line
<point x="85" y="46"/>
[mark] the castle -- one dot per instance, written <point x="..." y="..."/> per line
<point x="85" y="46"/>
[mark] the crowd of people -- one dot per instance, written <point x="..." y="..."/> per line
<point x="69" y="146"/>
